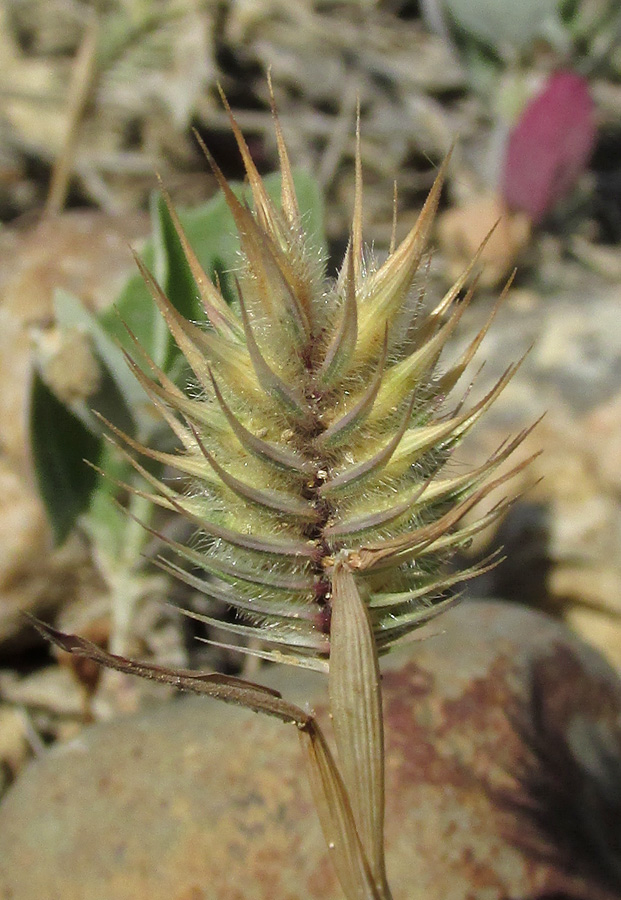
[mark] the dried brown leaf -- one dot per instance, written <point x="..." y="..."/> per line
<point x="356" y="708"/>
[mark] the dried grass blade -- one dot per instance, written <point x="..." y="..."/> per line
<point x="182" y="462"/>
<point x="329" y="793"/>
<point x="195" y="344"/>
<point x="448" y="381"/>
<point x="292" y="658"/>
<point x="298" y="638"/>
<point x="383" y="554"/>
<point x="336" y="817"/>
<point x="279" y="288"/>
<point x="266" y="212"/>
<point x="402" y="376"/>
<point x="269" y="545"/>
<point x="386" y="288"/>
<point x="253" y="696"/>
<point x="357" y="220"/>
<point x="285" y="610"/>
<point x="356" y="708"/>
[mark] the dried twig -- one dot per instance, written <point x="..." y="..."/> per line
<point x="84" y="74"/>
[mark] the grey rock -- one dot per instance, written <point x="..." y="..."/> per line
<point x="573" y="375"/>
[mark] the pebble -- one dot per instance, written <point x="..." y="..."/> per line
<point x="14" y="743"/>
<point x="462" y="230"/>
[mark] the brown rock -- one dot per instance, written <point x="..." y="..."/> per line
<point x="462" y="230"/>
<point x="503" y="749"/>
<point x="33" y="577"/>
<point x="14" y="746"/>
<point x="23" y="529"/>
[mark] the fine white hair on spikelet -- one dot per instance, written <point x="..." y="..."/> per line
<point x="316" y="431"/>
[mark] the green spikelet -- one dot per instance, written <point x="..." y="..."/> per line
<point x="317" y="432"/>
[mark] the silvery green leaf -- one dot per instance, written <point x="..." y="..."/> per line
<point x="60" y="442"/>
<point x="70" y="312"/>
<point x="504" y="23"/>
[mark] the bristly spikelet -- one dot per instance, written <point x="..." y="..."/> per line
<point x="317" y="434"/>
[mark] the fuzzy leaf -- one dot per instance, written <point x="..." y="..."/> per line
<point x="60" y="442"/>
<point x="106" y="522"/>
<point x="502" y="23"/>
<point x="70" y="312"/>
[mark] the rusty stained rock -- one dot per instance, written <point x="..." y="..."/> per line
<point x="503" y="783"/>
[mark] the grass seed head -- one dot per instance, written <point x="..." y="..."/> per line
<point x="318" y="437"/>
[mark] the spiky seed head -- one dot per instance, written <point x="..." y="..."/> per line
<point x="318" y="434"/>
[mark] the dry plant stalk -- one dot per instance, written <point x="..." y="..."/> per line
<point x="316" y="453"/>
